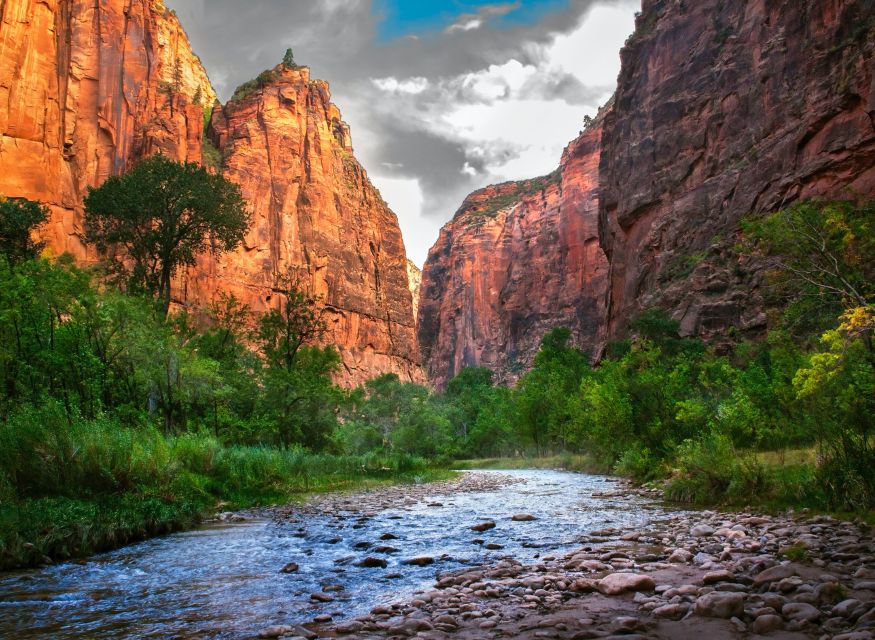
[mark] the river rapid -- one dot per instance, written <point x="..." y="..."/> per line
<point x="225" y="581"/>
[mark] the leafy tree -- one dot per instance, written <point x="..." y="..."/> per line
<point x="299" y="397"/>
<point x="18" y="219"/>
<point x="823" y="255"/>
<point x="544" y="395"/>
<point x="159" y="216"/>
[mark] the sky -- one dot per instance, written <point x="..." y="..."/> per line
<point x="443" y="96"/>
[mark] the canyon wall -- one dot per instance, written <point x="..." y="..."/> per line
<point x="722" y="109"/>
<point x="87" y="89"/>
<point x="725" y="109"/>
<point x="517" y="260"/>
<point x="316" y="219"/>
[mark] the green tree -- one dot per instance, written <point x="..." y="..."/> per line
<point x="289" y="59"/>
<point x="824" y="259"/>
<point x="18" y="219"/>
<point x="159" y="216"/>
<point x="299" y="398"/>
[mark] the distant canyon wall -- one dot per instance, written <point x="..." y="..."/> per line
<point x="517" y="260"/>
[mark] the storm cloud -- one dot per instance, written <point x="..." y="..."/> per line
<point x="441" y="110"/>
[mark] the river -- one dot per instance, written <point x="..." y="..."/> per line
<point x="224" y="580"/>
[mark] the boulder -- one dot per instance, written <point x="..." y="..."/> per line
<point x="617" y="583"/>
<point x="720" y="604"/>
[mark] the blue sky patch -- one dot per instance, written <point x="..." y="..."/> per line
<point x="415" y="17"/>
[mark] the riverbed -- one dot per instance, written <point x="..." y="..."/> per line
<point x="225" y="580"/>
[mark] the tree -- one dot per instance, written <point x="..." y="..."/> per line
<point x="824" y="258"/>
<point x="159" y="217"/>
<point x="299" y="397"/>
<point x="289" y="59"/>
<point x="18" y="218"/>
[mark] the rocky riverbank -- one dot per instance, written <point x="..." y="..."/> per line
<point x="686" y="575"/>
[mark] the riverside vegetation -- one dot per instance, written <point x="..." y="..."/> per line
<point x="121" y="418"/>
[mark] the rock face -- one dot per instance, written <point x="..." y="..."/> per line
<point x="317" y="219"/>
<point x="88" y="89"/>
<point x="517" y="260"/>
<point x="414" y="280"/>
<point x="722" y="109"/>
<point x="725" y="109"/>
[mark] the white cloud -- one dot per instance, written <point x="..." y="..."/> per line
<point x="468" y="24"/>
<point x="412" y="86"/>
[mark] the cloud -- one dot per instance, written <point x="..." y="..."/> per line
<point x="436" y="114"/>
<point x="472" y="21"/>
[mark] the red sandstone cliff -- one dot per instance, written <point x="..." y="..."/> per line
<point x="87" y="89"/>
<point x="517" y="260"/>
<point x="316" y="217"/>
<point x="724" y="109"/>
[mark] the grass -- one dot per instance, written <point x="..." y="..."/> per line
<point x="69" y="489"/>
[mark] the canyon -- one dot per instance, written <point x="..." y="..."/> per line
<point x="722" y="110"/>
<point x="87" y="90"/>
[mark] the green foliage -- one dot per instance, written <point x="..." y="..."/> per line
<point x="251" y="86"/>
<point x="159" y="216"/>
<point x="18" y="219"/>
<point x="289" y="59"/>
<point x="824" y="257"/>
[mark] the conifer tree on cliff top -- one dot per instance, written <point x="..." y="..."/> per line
<point x="159" y="216"/>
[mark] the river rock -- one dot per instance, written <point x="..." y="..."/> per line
<point x="617" y="583"/>
<point x="291" y="567"/>
<point x="672" y="611"/>
<point x="276" y="631"/>
<point x="372" y="563"/>
<point x="767" y="623"/>
<point x="680" y="556"/>
<point x="483" y="526"/>
<point x="800" y="611"/>
<point x="523" y="517"/>
<point x="720" y="604"/>
<point x="846" y="608"/>
<point x="421" y="561"/>
<point x="701" y="530"/>
<point x="321" y="597"/>
<point x="773" y="574"/>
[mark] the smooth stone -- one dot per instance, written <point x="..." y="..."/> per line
<point x="523" y="517"/>
<point x="276" y="631"/>
<point x="800" y="611"/>
<point x="720" y="604"/>
<point x="483" y="526"/>
<point x="372" y="563"/>
<point x="767" y="623"/>
<point x="291" y="567"/>
<point x="421" y="561"/>
<point x="773" y="574"/>
<point x="617" y="583"/>
<point x="701" y="531"/>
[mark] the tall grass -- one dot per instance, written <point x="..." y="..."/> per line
<point x="72" y="487"/>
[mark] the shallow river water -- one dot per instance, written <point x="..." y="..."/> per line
<point x="224" y="581"/>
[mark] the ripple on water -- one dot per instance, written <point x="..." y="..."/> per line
<point x="224" y="580"/>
